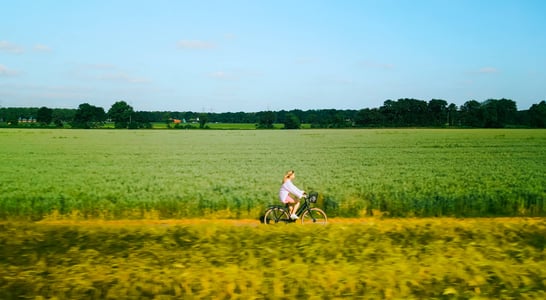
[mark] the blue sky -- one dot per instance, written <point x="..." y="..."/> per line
<point x="230" y="56"/>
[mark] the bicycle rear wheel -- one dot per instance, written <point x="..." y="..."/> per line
<point x="276" y="215"/>
<point x="314" y="216"/>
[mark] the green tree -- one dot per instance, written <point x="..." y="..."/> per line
<point x="13" y="115"/>
<point x="44" y="115"/>
<point x="537" y="115"/>
<point x="506" y="111"/>
<point x="266" y="119"/>
<point x="143" y="119"/>
<point x="203" y="119"/>
<point x="437" y="112"/>
<point x="451" y="114"/>
<point x="369" y="117"/>
<point x="292" y="121"/>
<point x="499" y="113"/>
<point x="121" y="113"/>
<point x="471" y="114"/>
<point x="88" y="116"/>
<point x="405" y="112"/>
<point x="338" y="119"/>
<point x="388" y="111"/>
<point x="62" y="115"/>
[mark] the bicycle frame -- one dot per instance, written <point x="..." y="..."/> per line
<point x="304" y="211"/>
<point x="303" y="207"/>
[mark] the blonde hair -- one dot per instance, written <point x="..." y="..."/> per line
<point x="287" y="175"/>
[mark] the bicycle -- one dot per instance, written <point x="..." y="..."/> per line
<point x="280" y="214"/>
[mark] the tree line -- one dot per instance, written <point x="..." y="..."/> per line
<point x="492" y="113"/>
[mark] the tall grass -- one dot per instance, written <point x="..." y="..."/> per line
<point x="235" y="174"/>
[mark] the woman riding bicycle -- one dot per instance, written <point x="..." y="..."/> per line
<point x="288" y="188"/>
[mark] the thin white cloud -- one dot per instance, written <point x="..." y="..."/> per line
<point x="222" y="75"/>
<point x="38" y="95"/>
<point x="194" y="44"/>
<point x="376" y="65"/>
<point x="122" y="77"/>
<point x="41" y="48"/>
<point x="488" y="70"/>
<point x="230" y="36"/>
<point x="99" y="67"/>
<point x="235" y="74"/>
<point x="334" y="80"/>
<point x="305" y="60"/>
<point x="106" y="72"/>
<point x="5" y="71"/>
<point x="10" y="47"/>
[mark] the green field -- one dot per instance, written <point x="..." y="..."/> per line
<point x="120" y="174"/>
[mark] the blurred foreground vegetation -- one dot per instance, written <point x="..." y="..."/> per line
<point x="370" y="258"/>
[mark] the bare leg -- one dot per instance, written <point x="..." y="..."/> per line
<point x="294" y="208"/>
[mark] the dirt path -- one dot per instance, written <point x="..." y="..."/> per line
<point x="256" y="222"/>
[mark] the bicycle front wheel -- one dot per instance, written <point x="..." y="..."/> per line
<point x="276" y="215"/>
<point x="314" y="216"/>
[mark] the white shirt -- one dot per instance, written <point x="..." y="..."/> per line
<point x="288" y="187"/>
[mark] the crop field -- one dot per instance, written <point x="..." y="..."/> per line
<point x="235" y="174"/>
